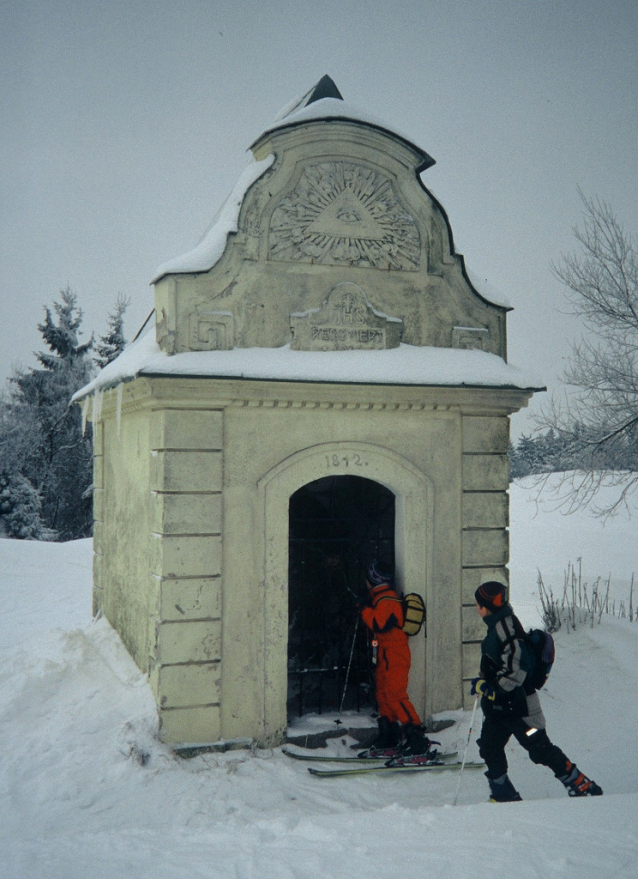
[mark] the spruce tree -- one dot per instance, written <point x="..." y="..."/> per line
<point x="41" y="437"/>
<point x="113" y="342"/>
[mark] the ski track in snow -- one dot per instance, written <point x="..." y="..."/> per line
<point x="88" y="791"/>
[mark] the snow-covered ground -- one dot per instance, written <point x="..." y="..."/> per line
<point x="87" y="791"/>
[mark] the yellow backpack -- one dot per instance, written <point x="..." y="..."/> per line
<point x="413" y="613"/>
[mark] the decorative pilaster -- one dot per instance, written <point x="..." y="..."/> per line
<point x="186" y="562"/>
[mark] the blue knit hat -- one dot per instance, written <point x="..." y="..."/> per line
<point x="378" y="573"/>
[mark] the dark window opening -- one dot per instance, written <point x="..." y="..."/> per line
<point x="338" y="524"/>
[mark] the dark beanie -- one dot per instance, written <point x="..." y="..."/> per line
<point x="491" y="595"/>
<point x="378" y="573"/>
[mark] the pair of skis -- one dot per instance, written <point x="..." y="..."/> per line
<point x="366" y="765"/>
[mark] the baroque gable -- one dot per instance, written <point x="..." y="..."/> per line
<point x="331" y="200"/>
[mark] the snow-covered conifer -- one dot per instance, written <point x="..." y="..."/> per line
<point x="113" y="342"/>
<point x="41" y="435"/>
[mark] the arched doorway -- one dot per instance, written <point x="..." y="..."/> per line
<point x="337" y="525"/>
<point x="412" y="491"/>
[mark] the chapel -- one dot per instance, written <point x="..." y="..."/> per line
<point x="321" y="383"/>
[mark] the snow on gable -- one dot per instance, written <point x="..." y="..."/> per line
<point x="488" y="291"/>
<point x="210" y="249"/>
<point x="333" y="108"/>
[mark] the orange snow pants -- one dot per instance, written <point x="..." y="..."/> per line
<point x="391" y="683"/>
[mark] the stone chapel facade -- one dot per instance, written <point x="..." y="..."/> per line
<point x="334" y="257"/>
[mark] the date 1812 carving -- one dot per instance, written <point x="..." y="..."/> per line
<point x="341" y="213"/>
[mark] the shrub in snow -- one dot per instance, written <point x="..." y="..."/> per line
<point x="20" y="509"/>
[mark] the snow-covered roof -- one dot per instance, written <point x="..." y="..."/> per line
<point x="405" y="365"/>
<point x="324" y="102"/>
<point x="211" y="246"/>
<point x="333" y="108"/>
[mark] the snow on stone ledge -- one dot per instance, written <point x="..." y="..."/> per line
<point x="210" y="249"/>
<point x="405" y="365"/>
<point x="487" y="290"/>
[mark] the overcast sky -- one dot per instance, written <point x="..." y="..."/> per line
<point x="125" y="123"/>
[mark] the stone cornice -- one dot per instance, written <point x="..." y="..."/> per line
<point x="175" y="392"/>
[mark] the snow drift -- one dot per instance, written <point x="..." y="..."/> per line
<point x="88" y="791"/>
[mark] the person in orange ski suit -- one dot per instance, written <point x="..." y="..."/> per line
<point x="383" y="616"/>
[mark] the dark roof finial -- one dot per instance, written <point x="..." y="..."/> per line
<point x="325" y="88"/>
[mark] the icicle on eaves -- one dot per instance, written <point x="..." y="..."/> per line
<point x="118" y="406"/>
<point x="85" y="412"/>
<point x="97" y="405"/>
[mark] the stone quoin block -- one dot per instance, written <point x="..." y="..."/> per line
<point x="186" y="556"/>
<point x="98" y="504"/>
<point x="489" y="509"/>
<point x="187" y="471"/>
<point x="471" y="660"/>
<point x="485" y="548"/>
<point x="180" y="686"/>
<point x="473" y="627"/>
<point x="187" y="429"/>
<point x="473" y="577"/>
<point x="186" y="513"/>
<point x="181" y="642"/>
<point x="195" y="598"/>
<point x="200" y="724"/>
<point x="485" y="472"/>
<point x="98" y="471"/>
<point x="485" y="434"/>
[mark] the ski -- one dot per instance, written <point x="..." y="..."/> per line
<point x="323" y="758"/>
<point x="414" y="767"/>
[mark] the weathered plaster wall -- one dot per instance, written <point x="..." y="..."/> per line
<point x="122" y="535"/>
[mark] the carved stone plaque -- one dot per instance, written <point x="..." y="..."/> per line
<point x="341" y="213"/>
<point x="211" y="331"/>
<point x="345" y="321"/>
<point x="470" y="337"/>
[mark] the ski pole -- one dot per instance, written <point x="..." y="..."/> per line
<point x="345" y="686"/>
<point x="469" y="736"/>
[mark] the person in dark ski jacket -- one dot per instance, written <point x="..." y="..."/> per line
<point x="510" y="705"/>
<point x="398" y="718"/>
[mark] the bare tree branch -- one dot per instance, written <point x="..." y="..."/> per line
<point x="599" y="416"/>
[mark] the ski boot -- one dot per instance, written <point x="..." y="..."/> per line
<point x="386" y="744"/>
<point x="577" y="783"/>
<point x="416" y="749"/>
<point x="502" y="790"/>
